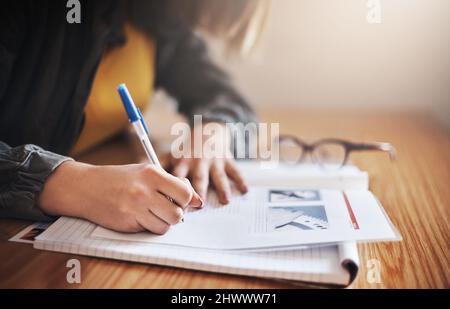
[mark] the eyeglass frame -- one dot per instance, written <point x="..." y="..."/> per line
<point x="348" y="146"/>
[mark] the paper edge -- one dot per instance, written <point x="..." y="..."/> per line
<point x="388" y="219"/>
<point x="349" y="259"/>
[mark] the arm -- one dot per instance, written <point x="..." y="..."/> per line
<point x="37" y="184"/>
<point x="23" y="171"/>
<point x="186" y="72"/>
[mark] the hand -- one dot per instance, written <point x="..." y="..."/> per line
<point x="219" y="166"/>
<point x="127" y="198"/>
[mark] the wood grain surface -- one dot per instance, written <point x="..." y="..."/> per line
<point x="414" y="190"/>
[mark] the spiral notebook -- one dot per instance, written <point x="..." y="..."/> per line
<point x="335" y="265"/>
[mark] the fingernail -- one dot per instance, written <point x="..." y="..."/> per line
<point x="244" y="189"/>
<point x="225" y="199"/>
<point x="198" y="200"/>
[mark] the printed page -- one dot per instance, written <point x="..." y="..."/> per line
<point x="275" y="218"/>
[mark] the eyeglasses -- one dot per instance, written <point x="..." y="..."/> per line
<point x="330" y="153"/>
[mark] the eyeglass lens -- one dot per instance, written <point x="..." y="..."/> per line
<point x="290" y="151"/>
<point x="329" y="155"/>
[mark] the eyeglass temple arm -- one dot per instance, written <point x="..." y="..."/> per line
<point x="377" y="147"/>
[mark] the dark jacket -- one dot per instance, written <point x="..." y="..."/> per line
<point x="47" y="67"/>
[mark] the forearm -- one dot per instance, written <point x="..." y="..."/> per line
<point x="66" y="191"/>
<point x="187" y="73"/>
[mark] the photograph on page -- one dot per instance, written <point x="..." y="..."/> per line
<point x="29" y="234"/>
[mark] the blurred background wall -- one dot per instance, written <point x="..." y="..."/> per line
<point x="325" y="53"/>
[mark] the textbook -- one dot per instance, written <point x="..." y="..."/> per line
<point x="293" y="210"/>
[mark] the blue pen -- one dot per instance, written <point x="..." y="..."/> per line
<point x="138" y="122"/>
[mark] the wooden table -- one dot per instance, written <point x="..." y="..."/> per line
<point x="414" y="190"/>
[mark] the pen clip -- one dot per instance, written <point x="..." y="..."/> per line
<point x="143" y="121"/>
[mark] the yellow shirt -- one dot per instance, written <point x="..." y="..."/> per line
<point x="132" y="64"/>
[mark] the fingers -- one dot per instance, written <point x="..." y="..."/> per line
<point x="233" y="172"/>
<point x="219" y="171"/>
<point x="196" y="200"/>
<point x="221" y="182"/>
<point x="179" y="190"/>
<point x="184" y="195"/>
<point x="181" y="169"/>
<point x="166" y="210"/>
<point x="172" y="187"/>
<point x="152" y="223"/>
<point x="200" y="177"/>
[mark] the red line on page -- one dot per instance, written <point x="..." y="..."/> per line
<point x="350" y="212"/>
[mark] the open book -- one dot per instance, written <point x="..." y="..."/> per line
<point x="335" y="264"/>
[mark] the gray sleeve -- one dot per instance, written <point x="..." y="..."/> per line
<point x="185" y="71"/>
<point x="23" y="171"/>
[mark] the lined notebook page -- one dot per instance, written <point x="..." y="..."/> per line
<point x="318" y="265"/>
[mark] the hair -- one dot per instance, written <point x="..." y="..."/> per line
<point x="239" y="23"/>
